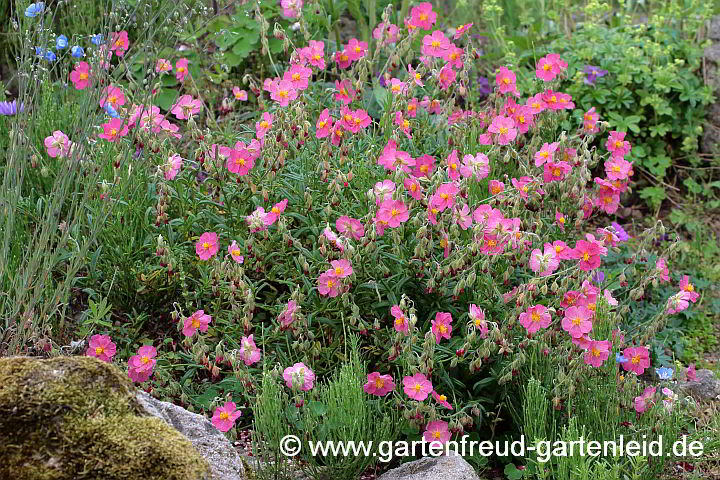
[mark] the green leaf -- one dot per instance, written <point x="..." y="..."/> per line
<point x="317" y="408"/>
<point x="512" y="472"/>
<point x="658" y="165"/>
<point x="166" y="97"/>
<point x="654" y="195"/>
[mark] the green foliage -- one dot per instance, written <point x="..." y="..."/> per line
<point x="336" y="412"/>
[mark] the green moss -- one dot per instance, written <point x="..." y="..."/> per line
<point x="77" y="418"/>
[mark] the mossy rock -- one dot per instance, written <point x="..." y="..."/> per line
<point x="76" y="418"/>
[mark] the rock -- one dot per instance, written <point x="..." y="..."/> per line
<point x="710" y="142"/>
<point x="76" y="418"/>
<point x="706" y="386"/>
<point x="225" y="463"/>
<point x="449" y="467"/>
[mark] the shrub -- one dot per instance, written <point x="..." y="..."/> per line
<point x="459" y="240"/>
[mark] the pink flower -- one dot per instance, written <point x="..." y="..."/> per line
<point x="350" y="226"/>
<point x="459" y="31"/>
<point x="341" y="268"/>
<point x="181" y="69"/>
<point x="235" y="252"/>
<point x="597" y="352"/>
<point x="536" y="104"/>
<point x="442" y="400"/>
<point x="383" y="191"/>
<point x="417" y="387"/>
<point x="691" y="373"/>
<point x="422" y="16"/>
<point x="240" y="162"/>
<point x="638" y="359"/>
<point x="446" y="76"/>
<point x="80" y="77"/>
<point x="544" y="70"/>
<point x="287" y="317"/>
<point x="298" y="76"/>
<point x="185" y="107"/>
<point x="401" y="323"/>
<point x="162" y="66"/>
<point x="114" y="129"/>
<point x="678" y="302"/>
<point x="379" y="385"/>
<point x="557" y="100"/>
<point x="385" y="33"/>
<point x="284" y="93"/>
<point x="437" y="433"/>
<point x="324" y="124"/>
<point x="646" y="399"/>
<point x="119" y="43"/>
<point x="291" y="8"/>
<point x="424" y="166"/>
<point x="206" y="246"/>
<point x="344" y="92"/>
<point x="140" y="366"/>
<point x="299" y="377"/>
<point x="112" y="95"/>
<point x="555" y="171"/>
<point x="477" y="317"/>
<point x="617" y="145"/>
<point x="173" y="166"/>
<point x="58" y="144"/>
<point x="545" y="153"/>
<point x="314" y="53"/>
<point x="617" y="168"/>
<point x="577" y="321"/>
<point x="544" y="263"/>
<point x="435" y="44"/>
<point x="263" y="125"/>
<point x="441" y="326"/>
<point x="101" y="347"/>
<point x="403" y="124"/>
<point x="588" y="253"/>
<point x="689" y="289"/>
<point x="454" y="56"/>
<point x="356" y="49"/>
<point x="444" y="196"/>
<point x="496" y="187"/>
<point x="414" y="188"/>
<point x="224" y="417"/>
<point x="560" y="220"/>
<point x="477" y="166"/>
<point x="342" y="58"/>
<point x="328" y="284"/>
<point x="249" y="351"/>
<point x="274" y="213"/>
<point x="394" y="212"/>
<point x="535" y="318"/>
<point x="453" y="165"/>
<point x="504" y="128"/>
<point x="239" y="94"/>
<point x="197" y="321"/>
<point x="590" y="119"/>
<point x="661" y="268"/>
<point x="609" y="298"/>
<point x="505" y="81"/>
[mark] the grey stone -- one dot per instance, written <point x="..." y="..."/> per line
<point x="714" y="32"/>
<point x="712" y="52"/>
<point x="706" y="386"/>
<point x="449" y="467"/>
<point x="225" y="463"/>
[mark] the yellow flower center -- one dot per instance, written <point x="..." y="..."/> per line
<point x="595" y="352"/>
<point x="330" y="283"/>
<point x="296" y="76"/>
<point x="506" y="81"/>
<point x="99" y="350"/>
<point x="547" y="67"/>
<point x="417" y="387"/>
<point x="437" y="435"/>
<point x="394" y="212"/>
<point x="224" y="416"/>
<point x="275" y="210"/>
<point x="503" y="130"/>
<point x="240" y="161"/>
<point x="145" y="359"/>
<point x="561" y="220"/>
<point x="423" y="17"/>
<point x="180" y="69"/>
<point x="283" y="94"/>
<point x="195" y="323"/>
<point x="535" y="317"/>
<point x="556" y="172"/>
<point x="264" y="124"/>
<point x="577" y="321"/>
<point x="635" y="360"/>
<point x="236" y="252"/>
<point x="586" y="256"/>
<point x="619" y="143"/>
<point x="206" y="245"/>
<point x="379" y="383"/>
<point x="442" y="328"/>
<point x="492" y="243"/>
<point x="339" y="271"/>
<point x="442" y="398"/>
<point x="83" y="76"/>
<point x="400" y="321"/>
<point x="435" y="43"/>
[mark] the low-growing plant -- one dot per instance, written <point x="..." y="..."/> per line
<point x="458" y="242"/>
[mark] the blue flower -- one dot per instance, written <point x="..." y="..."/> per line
<point x="39" y="51"/>
<point x="61" y="42"/>
<point x="10" y="108"/>
<point x="97" y="39"/>
<point x="664" y="373"/>
<point x="111" y="111"/>
<point x="619" y="358"/>
<point x="77" y="51"/>
<point x="620" y="232"/>
<point x="50" y="56"/>
<point x="34" y="9"/>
